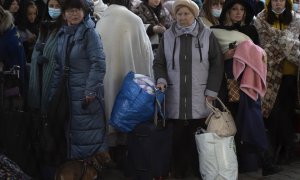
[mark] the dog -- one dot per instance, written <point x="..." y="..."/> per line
<point x="87" y="169"/>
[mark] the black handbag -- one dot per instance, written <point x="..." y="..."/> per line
<point x="52" y="131"/>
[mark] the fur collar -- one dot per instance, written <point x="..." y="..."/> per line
<point x="6" y="20"/>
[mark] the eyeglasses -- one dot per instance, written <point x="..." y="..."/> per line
<point x="73" y="11"/>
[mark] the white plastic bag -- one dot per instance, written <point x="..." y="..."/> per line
<point x="217" y="156"/>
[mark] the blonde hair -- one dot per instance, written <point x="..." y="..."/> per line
<point x="228" y="21"/>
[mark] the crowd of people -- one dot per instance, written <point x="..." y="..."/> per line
<point x="188" y="47"/>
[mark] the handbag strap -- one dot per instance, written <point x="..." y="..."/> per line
<point x="68" y="52"/>
<point x="215" y="109"/>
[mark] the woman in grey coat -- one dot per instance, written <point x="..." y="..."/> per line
<point x="85" y="129"/>
<point x="189" y="64"/>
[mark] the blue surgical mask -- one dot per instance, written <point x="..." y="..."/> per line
<point x="216" y="12"/>
<point x="54" y="13"/>
<point x="278" y="13"/>
<point x="295" y="7"/>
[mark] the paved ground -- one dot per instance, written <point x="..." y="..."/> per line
<point x="290" y="172"/>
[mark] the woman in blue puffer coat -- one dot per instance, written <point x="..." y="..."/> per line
<point x="85" y="130"/>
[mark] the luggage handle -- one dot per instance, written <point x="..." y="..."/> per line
<point x="161" y="110"/>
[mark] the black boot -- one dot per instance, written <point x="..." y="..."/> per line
<point x="268" y="167"/>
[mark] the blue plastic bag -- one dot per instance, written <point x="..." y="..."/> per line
<point x="133" y="105"/>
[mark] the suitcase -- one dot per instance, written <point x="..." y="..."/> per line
<point x="149" y="149"/>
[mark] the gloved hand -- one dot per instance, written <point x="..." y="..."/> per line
<point x="159" y="29"/>
<point x="42" y="59"/>
<point x="40" y="46"/>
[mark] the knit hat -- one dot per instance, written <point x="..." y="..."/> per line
<point x="187" y="3"/>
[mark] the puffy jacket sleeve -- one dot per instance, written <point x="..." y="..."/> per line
<point x="96" y="55"/>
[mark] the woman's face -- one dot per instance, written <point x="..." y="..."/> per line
<point x="236" y="13"/>
<point x="184" y="17"/>
<point x="14" y="7"/>
<point x="278" y="5"/>
<point x="31" y="13"/>
<point x="216" y="8"/>
<point x="54" y="4"/>
<point x="74" y="16"/>
<point x="153" y="3"/>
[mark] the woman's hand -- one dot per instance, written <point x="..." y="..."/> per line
<point x="161" y="86"/>
<point x="229" y="54"/>
<point x="210" y="99"/>
<point x="159" y="29"/>
<point x="86" y="101"/>
<point x="89" y="99"/>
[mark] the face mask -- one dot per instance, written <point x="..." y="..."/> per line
<point x="295" y="6"/>
<point x="216" y="12"/>
<point x="54" y="13"/>
<point x="278" y="13"/>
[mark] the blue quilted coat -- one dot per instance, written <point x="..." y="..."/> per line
<point x="85" y="131"/>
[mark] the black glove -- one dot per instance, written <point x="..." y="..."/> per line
<point x="42" y="59"/>
<point x="40" y="46"/>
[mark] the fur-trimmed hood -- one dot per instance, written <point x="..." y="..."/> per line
<point x="6" y="20"/>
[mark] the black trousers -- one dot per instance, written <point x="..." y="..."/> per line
<point x="184" y="150"/>
<point x="281" y="120"/>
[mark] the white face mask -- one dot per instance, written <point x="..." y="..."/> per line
<point x="216" y="12"/>
<point x="295" y="7"/>
<point x="278" y="13"/>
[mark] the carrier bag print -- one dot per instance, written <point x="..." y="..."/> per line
<point x="135" y="102"/>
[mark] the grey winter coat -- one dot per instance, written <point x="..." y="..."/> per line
<point x="190" y="73"/>
<point x="86" y="129"/>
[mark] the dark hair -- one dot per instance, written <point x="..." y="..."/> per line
<point x="7" y="3"/>
<point x="79" y="4"/>
<point x="286" y="17"/>
<point x="207" y="5"/>
<point x="48" y="25"/>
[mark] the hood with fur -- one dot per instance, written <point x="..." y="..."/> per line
<point x="6" y="20"/>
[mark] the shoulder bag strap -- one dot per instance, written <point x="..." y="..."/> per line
<point x="68" y="52"/>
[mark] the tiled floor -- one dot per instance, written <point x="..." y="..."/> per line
<point x="290" y="172"/>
